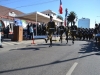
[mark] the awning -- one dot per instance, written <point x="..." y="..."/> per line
<point x="37" y="16"/>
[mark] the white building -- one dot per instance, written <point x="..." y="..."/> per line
<point x="84" y="23"/>
<point x="51" y="13"/>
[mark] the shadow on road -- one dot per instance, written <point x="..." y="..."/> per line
<point x="87" y="48"/>
<point x="28" y="48"/>
<point x="36" y="47"/>
<point x="36" y="66"/>
<point x="56" y="44"/>
<point x="90" y="47"/>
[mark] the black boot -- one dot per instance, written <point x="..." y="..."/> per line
<point x="1" y="46"/>
<point x="46" y="40"/>
<point x="73" y="42"/>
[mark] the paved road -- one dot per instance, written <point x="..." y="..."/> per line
<point x="82" y="58"/>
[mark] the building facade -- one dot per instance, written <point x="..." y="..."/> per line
<point x="84" y="23"/>
<point x="51" y="13"/>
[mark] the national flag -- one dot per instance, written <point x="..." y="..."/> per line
<point x="65" y="22"/>
<point x="60" y="8"/>
<point x="66" y="12"/>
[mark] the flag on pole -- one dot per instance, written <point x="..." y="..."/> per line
<point x="65" y="22"/>
<point x="66" y="12"/>
<point x="60" y="8"/>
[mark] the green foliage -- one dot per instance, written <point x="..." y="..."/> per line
<point x="60" y="17"/>
<point x="71" y="17"/>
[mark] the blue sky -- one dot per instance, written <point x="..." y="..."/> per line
<point x="83" y="8"/>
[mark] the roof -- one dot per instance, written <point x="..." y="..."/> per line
<point x="4" y="11"/>
<point x="49" y="11"/>
<point x="37" y="16"/>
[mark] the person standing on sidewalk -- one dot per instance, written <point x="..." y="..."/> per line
<point x="31" y="32"/>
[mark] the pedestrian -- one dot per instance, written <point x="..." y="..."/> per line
<point x="31" y="32"/>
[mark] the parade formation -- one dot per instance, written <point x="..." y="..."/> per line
<point x="69" y="31"/>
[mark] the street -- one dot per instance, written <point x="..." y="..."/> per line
<point x="80" y="58"/>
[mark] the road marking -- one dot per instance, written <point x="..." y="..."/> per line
<point x="72" y="69"/>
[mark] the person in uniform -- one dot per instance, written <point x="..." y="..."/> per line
<point x="51" y="28"/>
<point x="73" y="32"/>
<point x="96" y="31"/>
<point x="89" y="34"/>
<point x="83" y="34"/>
<point x="80" y="33"/>
<point x="86" y="34"/>
<point x="61" y="30"/>
<point x="66" y="33"/>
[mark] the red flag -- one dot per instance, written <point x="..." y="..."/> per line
<point x="60" y="8"/>
<point x="65" y="22"/>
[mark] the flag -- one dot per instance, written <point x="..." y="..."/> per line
<point x="60" y="8"/>
<point x="65" y="22"/>
<point x="66" y="12"/>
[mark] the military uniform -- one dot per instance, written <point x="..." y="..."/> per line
<point x="66" y="32"/>
<point x="80" y="33"/>
<point x="87" y="33"/>
<point x="51" y="28"/>
<point x="73" y="32"/>
<point x="61" y="30"/>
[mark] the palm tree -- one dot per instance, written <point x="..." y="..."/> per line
<point x="71" y="17"/>
<point x="60" y="17"/>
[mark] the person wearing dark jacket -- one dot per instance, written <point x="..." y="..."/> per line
<point x="73" y="32"/>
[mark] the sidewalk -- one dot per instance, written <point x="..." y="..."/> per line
<point x="8" y="42"/>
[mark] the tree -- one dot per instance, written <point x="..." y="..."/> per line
<point x="71" y="17"/>
<point x="60" y="17"/>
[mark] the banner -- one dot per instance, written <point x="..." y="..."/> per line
<point x="24" y="23"/>
<point x="18" y="22"/>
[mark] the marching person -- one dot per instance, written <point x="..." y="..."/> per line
<point x="73" y="32"/>
<point x="66" y="33"/>
<point x="61" y="28"/>
<point x="51" y="28"/>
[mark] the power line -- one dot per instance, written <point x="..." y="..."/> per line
<point x="37" y="3"/>
<point x="33" y="5"/>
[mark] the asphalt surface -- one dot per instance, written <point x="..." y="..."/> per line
<point x="81" y="58"/>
